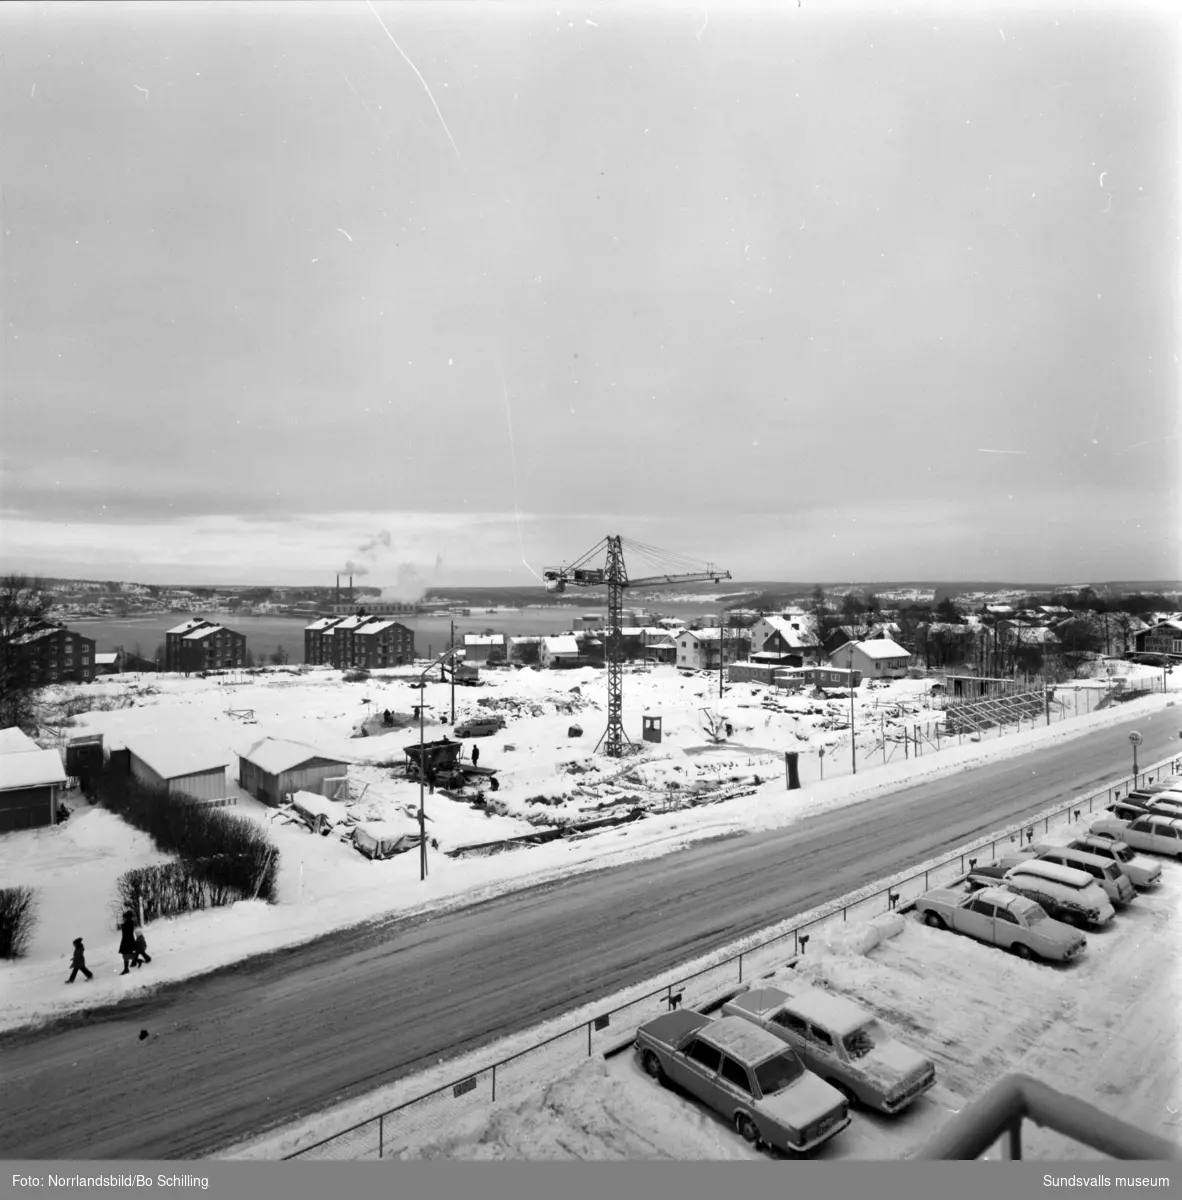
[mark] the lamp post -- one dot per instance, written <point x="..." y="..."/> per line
<point x="422" y="756"/>
<point x="452" y="644"/>
<point x="1136" y="739"/>
<point x="853" y="743"/>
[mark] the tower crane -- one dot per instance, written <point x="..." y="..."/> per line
<point x="614" y="574"/>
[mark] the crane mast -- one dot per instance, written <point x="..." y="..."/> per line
<point x="614" y="574"/>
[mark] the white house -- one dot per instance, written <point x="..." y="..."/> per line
<point x="479" y="647"/>
<point x="796" y="634"/>
<point x="562" y="651"/>
<point x="516" y="646"/>
<point x="879" y="658"/>
<point x="698" y="649"/>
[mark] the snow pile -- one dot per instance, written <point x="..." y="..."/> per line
<point x="855" y="937"/>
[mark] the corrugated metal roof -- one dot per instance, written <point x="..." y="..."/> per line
<point x="33" y="768"/>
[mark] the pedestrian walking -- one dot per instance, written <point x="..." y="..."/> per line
<point x="141" y="955"/>
<point x="79" y="962"/>
<point x="127" y="941"/>
<point x="475" y="755"/>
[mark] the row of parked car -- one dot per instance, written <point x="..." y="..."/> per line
<point x="1035" y="900"/>
<point x="786" y="1066"/>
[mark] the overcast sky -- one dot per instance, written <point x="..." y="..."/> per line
<point x="834" y="294"/>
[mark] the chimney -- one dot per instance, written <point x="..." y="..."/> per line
<point x="338" y="587"/>
<point x="352" y="593"/>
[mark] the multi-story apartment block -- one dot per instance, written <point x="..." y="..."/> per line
<point x="54" y="654"/>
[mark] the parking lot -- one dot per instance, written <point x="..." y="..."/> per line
<point x="1105" y="1029"/>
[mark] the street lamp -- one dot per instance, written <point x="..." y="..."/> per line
<point x="422" y="756"/>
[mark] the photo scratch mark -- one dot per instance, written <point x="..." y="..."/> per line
<point x="593" y="24"/>
<point x="705" y="22"/>
<point x="340" y="230"/>
<point x="33" y="92"/>
<point x="1109" y="208"/>
<point x="1102" y="174"/>
<point x="983" y="451"/>
<point x="140" y="89"/>
<point x="419" y="74"/>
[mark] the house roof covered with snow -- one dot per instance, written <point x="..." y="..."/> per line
<point x="322" y="624"/>
<point x="16" y="741"/>
<point x="713" y="635"/>
<point x="560" y="645"/>
<point x="375" y="627"/>
<point x="106" y="660"/>
<point x="36" y="635"/>
<point x="189" y="625"/>
<point x="484" y="639"/>
<point x="881" y="648"/>
<point x="198" y="634"/>
<point x="33" y="768"/>
<point x="1173" y="624"/>
<point x="174" y="759"/>
<point x="275" y="755"/>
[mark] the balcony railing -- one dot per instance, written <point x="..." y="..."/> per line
<point x="1001" y="1112"/>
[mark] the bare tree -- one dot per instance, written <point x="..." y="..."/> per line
<point x="24" y="607"/>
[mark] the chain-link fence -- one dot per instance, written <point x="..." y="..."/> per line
<point x="442" y="1112"/>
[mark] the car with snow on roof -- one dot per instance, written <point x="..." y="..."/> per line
<point x="1130" y="809"/>
<point x="1002" y="918"/>
<point x="1149" y="831"/>
<point x="841" y="1042"/>
<point x="745" y="1074"/>
<point x="1114" y="881"/>
<point x="1144" y="872"/>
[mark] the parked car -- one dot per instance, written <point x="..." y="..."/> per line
<point x="1130" y="810"/>
<point x="1167" y="802"/>
<point x="745" y="1074"/>
<point x="1066" y="894"/>
<point x="1149" y="831"/>
<point x="479" y="726"/>
<point x="842" y="1043"/>
<point x="1143" y="872"/>
<point x="1002" y="918"/>
<point x="1109" y="874"/>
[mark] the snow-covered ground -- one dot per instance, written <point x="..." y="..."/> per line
<point x="1106" y="1029"/>
<point x="325" y="884"/>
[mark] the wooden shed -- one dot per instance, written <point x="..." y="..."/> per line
<point x="30" y="783"/>
<point x="273" y="768"/>
<point x="179" y="769"/>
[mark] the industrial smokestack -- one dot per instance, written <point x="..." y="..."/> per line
<point x="338" y="587"/>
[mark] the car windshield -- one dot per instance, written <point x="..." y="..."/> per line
<point x="1124" y="854"/>
<point x="1032" y="914"/>
<point x="778" y="1072"/>
<point x="859" y="1043"/>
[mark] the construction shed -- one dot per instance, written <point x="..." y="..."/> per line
<point x="273" y="768"/>
<point x="179" y="769"/>
<point x="31" y="781"/>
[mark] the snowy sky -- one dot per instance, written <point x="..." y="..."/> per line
<point x="766" y="285"/>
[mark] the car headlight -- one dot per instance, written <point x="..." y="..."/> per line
<point x="1094" y="915"/>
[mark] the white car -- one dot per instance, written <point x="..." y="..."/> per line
<point x="1158" y="835"/>
<point x="1144" y="872"/>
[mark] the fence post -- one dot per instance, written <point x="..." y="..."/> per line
<point x="925" y="881"/>
<point x="962" y="864"/>
<point x="494" y="1085"/>
<point x="381" y="1135"/>
<point x="740" y="968"/>
<point x="588" y="1039"/>
<point x="795" y="944"/>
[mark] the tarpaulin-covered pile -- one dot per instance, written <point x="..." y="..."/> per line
<point x="381" y="839"/>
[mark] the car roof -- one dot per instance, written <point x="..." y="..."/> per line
<point x="1068" y="876"/>
<point x="827" y="1009"/>
<point x="998" y="896"/>
<point x="1076" y="855"/>
<point x="744" y="1042"/>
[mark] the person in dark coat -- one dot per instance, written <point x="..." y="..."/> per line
<point x="141" y="955"/>
<point x="475" y="755"/>
<point x="79" y="962"/>
<point x="127" y="941"/>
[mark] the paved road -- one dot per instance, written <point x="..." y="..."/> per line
<point x="269" y="1040"/>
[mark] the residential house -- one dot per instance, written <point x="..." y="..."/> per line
<point x="787" y="640"/>
<point x="342" y="652"/>
<point x="823" y="677"/>
<point x="53" y="654"/>
<point x="174" y="636"/>
<point x="119" y="661"/>
<point x="31" y="782"/>
<point x="379" y="643"/>
<point x="318" y="641"/>
<point x="1165" y="638"/>
<point x="702" y="649"/>
<point x="484" y="647"/>
<point x="562" y="651"/>
<point x="879" y="658"/>
<point x="273" y="768"/>
<point x="177" y="768"/>
<point x="209" y="647"/>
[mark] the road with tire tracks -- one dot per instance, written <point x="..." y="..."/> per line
<point x="272" y="1039"/>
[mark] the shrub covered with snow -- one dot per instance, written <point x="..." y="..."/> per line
<point x="18" y="911"/>
<point x="233" y="856"/>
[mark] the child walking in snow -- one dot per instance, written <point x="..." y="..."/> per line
<point x="141" y="955"/>
<point x="79" y="962"/>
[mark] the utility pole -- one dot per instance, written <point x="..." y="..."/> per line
<point x="853" y="743"/>
<point x="452" y="646"/>
<point x="721" y="649"/>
